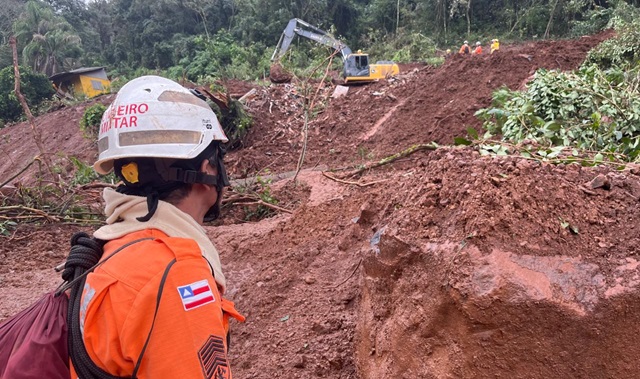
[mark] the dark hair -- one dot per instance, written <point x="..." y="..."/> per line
<point x="174" y="197"/>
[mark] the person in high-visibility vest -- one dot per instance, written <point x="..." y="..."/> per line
<point x="465" y="48"/>
<point x="495" y="45"/>
<point x="155" y="307"/>
<point x="478" y="49"/>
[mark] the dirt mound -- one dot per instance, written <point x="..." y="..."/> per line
<point x="61" y="136"/>
<point x="382" y="273"/>
<point x="444" y="264"/>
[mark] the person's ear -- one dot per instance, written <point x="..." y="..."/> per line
<point x="208" y="169"/>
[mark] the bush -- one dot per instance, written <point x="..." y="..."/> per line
<point x="90" y="121"/>
<point x="592" y="109"/>
<point x="624" y="48"/>
<point x="34" y="87"/>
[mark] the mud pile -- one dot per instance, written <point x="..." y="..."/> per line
<point x="456" y="266"/>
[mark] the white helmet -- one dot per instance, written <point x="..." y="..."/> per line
<point x="154" y="117"/>
<point x="478" y="43"/>
<point x="466" y="42"/>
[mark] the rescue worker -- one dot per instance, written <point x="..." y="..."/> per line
<point x="478" y="49"/>
<point x="154" y="309"/>
<point x="465" y="49"/>
<point x="495" y="45"/>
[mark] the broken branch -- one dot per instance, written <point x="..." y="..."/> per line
<point x="405" y="153"/>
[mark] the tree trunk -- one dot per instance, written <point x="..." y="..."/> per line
<point x="27" y="111"/>
<point x="553" y="10"/>
<point x="397" y="16"/>
<point x="468" y="18"/>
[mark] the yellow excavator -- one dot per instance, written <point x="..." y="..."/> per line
<point x="356" y="65"/>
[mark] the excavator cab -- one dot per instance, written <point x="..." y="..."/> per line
<point x="357" y="69"/>
<point x="362" y="61"/>
<point x="356" y="65"/>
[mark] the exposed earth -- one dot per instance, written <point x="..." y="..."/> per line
<point x="443" y="264"/>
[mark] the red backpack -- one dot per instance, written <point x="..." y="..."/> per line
<point x="38" y="342"/>
<point x="34" y="342"/>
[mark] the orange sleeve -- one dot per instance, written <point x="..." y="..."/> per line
<point x="189" y="338"/>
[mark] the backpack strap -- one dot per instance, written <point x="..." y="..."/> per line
<point x="158" y="298"/>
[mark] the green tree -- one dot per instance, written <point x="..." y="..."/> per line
<point x="50" y="44"/>
<point x="34" y="86"/>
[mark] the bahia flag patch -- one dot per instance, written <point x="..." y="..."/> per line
<point x="196" y="294"/>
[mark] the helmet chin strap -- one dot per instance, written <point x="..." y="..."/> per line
<point x="221" y="181"/>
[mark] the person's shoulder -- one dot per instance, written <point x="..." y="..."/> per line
<point x="136" y="259"/>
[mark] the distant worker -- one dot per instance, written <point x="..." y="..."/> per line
<point x="495" y="45"/>
<point x="478" y="49"/>
<point x="465" y="49"/>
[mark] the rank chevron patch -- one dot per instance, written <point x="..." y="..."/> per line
<point x="213" y="359"/>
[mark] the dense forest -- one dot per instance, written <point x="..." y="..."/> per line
<point x="235" y="38"/>
<point x="205" y="40"/>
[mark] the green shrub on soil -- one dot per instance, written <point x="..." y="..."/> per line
<point x="90" y="121"/>
<point x="592" y="110"/>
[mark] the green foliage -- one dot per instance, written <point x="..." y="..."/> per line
<point x="235" y="122"/>
<point x="258" y="192"/>
<point x="222" y="57"/>
<point x="592" y="109"/>
<point x="85" y="174"/>
<point x="413" y="47"/>
<point x="90" y="121"/>
<point x="7" y="226"/>
<point x="201" y="41"/>
<point x="36" y="88"/>
<point x="624" y="48"/>
<point x="623" y="15"/>
<point x="593" y="21"/>
<point x="265" y="195"/>
<point x="307" y="59"/>
<point x="401" y="48"/>
<point x="620" y="50"/>
<point x="50" y="44"/>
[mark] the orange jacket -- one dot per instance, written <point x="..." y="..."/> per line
<point x="464" y="49"/>
<point x="478" y="50"/>
<point x="119" y="301"/>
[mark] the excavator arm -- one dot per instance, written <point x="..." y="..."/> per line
<point x="304" y="29"/>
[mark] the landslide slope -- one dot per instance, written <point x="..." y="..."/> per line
<point x="423" y="105"/>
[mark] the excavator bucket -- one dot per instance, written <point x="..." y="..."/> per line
<point x="278" y="74"/>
